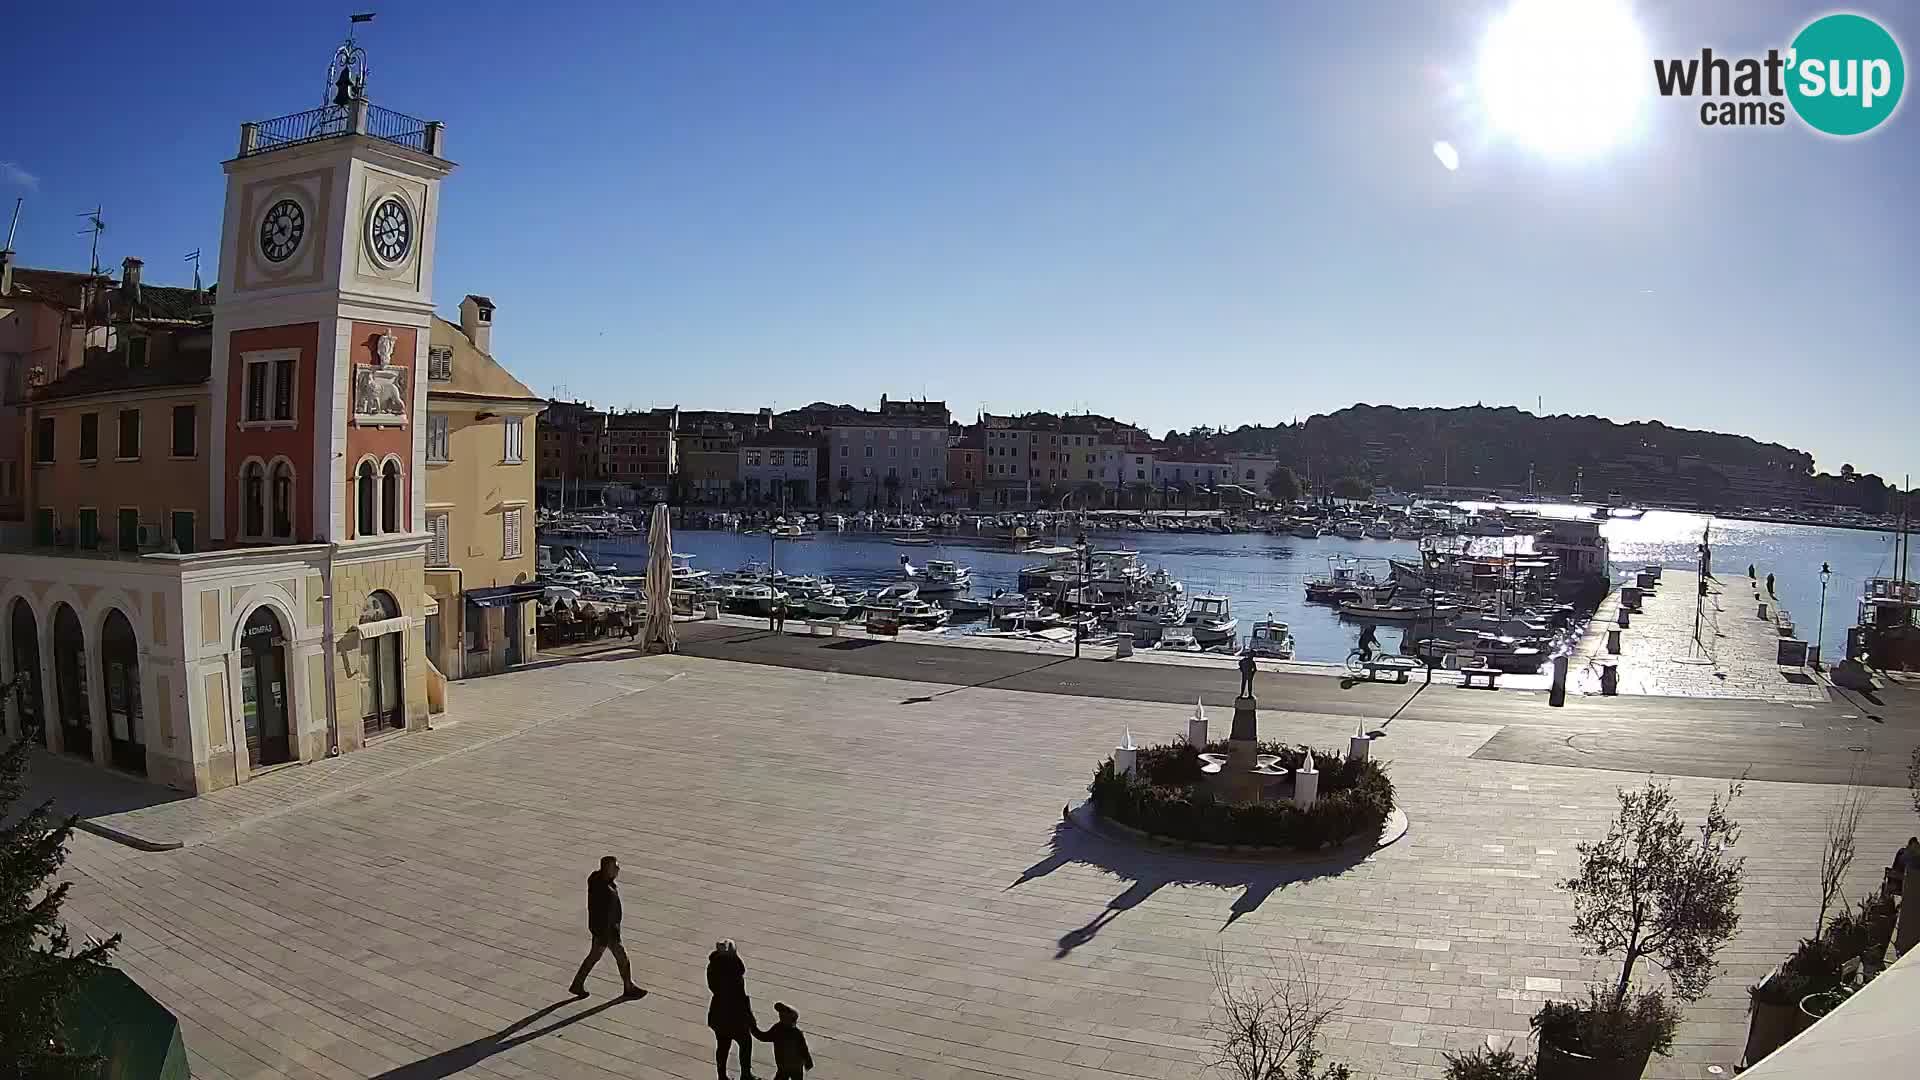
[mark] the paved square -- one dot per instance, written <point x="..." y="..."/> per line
<point x="898" y="872"/>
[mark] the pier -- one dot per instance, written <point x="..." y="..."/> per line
<point x="1733" y="654"/>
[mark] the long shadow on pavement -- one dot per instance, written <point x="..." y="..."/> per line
<point x="466" y="1056"/>
<point x="1149" y="870"/>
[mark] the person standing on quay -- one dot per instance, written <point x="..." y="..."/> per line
<point x="731" y="1013"/>
<point x="603" y="922"/>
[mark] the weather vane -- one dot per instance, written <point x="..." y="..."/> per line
<point x="347" y="74"/>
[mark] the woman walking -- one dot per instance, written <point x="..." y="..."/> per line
<point x="731" y="1013"/>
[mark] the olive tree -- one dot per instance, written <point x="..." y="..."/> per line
<point x="1654" y="890"/>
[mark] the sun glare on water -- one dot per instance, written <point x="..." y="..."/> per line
<point x="1564" y="78"/>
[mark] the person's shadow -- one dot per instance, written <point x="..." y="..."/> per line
<point x="448" y="1062"/>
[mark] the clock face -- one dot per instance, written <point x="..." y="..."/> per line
<point x="390" y="231"/>
<point x="281" y="230"/>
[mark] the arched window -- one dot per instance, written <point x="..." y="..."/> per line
<point x="365" y="497"/>
<point x="265" y="705"/>
<point x="282" y="500"/>
<point x="120" y="668"/>
<point x="390" y="497"/>
<point x="253" y="499"/>
<point x="383" y="704"/>
<point x="26" y="667"/>
<point x="70" y="682"/>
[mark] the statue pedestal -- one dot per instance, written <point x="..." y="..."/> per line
<point x="1246" y="720"/>
<point x="1239" y="782"/>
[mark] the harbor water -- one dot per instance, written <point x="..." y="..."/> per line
<point x="1266" y="574"/>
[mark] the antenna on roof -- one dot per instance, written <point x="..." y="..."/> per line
<point x="8" y="246"/>
<point x="95" y="225"/>
<point x="194" y="258"/>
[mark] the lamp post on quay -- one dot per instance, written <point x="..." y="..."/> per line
<point x="1085" y="552"/>
<point x="1819" y="660"/>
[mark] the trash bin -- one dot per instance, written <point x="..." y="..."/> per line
<point x="1123" y="646"/>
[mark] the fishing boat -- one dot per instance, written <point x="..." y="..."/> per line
<point x="1344" y="581"/>
<point x="1271" y="638"/>
<point x="1149" y="619"/>
<point x="941" y="577"/>
<point x="920" y="615"/>
<point x="1380" y="530"/>
<point x="683" y="575"/>
<point x="1371" y="607"/>
<point x="835" y="605"/>
<point x="1351" y="529"/>
<point x="968" y="607"/>
<point x="1307" y="530"/>
<point x="1211" y="620"/>
<point x="894" y="595"/>
<point x="1002" y="604"/>
<point x="1038" y="577"/>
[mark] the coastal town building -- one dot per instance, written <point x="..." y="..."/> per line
<point x="639" y="450"/>
<point x="480" y="501"/>
<point x="779" y="468"/>
<point x="965" y="469"/>
<point x="572" y="470"/>
<point x="709" y="452"/>
<point x="893" y="456"/>
<point x="291" y="627"/>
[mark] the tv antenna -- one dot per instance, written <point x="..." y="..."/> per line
<point x="95" y="225"/>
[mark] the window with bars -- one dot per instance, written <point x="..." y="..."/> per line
<point x="510" y="534"/>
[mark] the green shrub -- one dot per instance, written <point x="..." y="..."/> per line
<point x="1166" y="796"/>
<point x="1484" y="1064"/>
<point x="1641" y="1023"/>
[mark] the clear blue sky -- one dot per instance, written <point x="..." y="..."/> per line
<point x="1175" y="213"/>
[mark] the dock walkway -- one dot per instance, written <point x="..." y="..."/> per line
<point x="1734" y="655"/>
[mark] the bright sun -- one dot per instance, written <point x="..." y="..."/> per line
<point x="1565" y="78"/>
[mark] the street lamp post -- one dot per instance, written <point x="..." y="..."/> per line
<point x="1819" y="637"/>
<point x="1086" y="570"/>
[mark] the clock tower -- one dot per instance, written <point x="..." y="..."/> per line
<point x="320" y="328"/>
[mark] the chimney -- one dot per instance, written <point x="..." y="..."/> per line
<point x="476" y="321"/>
<point x="130" y="281"/>
<point x="765" y="420"/>
<point x="6" y="271"/>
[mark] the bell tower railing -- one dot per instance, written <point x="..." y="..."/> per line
<point x="334" y="121"/>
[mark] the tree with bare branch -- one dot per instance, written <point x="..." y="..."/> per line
<point x="1267" y="1025"/>
<point x="1836" y="854"/>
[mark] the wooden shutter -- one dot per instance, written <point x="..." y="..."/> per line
<point x="511" y="541"/>
<point x="437" y="548"/>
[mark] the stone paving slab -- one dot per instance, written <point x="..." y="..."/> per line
<point x="890" y="859"/>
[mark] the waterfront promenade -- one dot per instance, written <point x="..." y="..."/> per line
<point x="890" y="855"/>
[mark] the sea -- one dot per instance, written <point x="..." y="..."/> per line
<point x="1265" y="575"/>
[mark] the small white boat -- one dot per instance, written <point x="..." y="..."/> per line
<point x="940" y="577"/>
<point x="1306" y="530"/>
<point x="1272" y="639"/>
<point x="1178" y="639"/>
<point x="1351" y="529"/>
<point x="1211" y="620"/>
<point x="835" y="605"/>
<point x="1380" y="530"/>
<point x="920" y="615"/>
<point x="894" y="595"/>
<point x="789" y="532"/>
<point x="683" y="574"/>
<point x="912" y="541"/>
<point x="1371" y="608"/>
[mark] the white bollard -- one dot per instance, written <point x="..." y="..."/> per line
<point x="1306" y="784"/>
<point x="1197" y="727"/>
<point x="1123" y="759"/>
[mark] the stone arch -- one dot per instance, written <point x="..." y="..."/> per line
<point x="279" y="500"/>
<point x="393" y="495"/>
<point x="71" y="702"/>
<point x="251" y="489"/>
<point x="24" y="660"/>
<point x="265" y="693"/>
<point x="366" y="496"/>
<point x="120" y="672"/>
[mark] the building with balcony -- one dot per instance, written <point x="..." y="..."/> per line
<point x="709" y="451"/>
<point x="639" y="450"/>
<point x="481" y="423"/>
<point x="966" y="469"/>
<point x="571" y="470"/>
<point x="291" y="627"/>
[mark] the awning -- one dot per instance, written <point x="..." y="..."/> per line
<point x="502" y="595"/>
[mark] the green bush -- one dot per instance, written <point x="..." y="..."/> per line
<point x="1166" y="796"/>
<point x="1642" y="1023"/>
<point x="1484" y="1064"/>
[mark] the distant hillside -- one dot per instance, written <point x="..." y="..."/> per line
<point x="1495" y="447"/>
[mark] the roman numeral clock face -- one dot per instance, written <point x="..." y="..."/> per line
<point x="281" y="230"/>
<point x="389" y="231"/>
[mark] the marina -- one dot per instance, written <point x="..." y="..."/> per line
<point x="1265" y="575"/>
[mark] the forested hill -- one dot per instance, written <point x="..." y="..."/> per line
<point x="1476" y="445"/>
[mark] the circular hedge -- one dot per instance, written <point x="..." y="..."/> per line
<point x="1168" y="796"/>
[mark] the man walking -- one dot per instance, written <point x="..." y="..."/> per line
<point x="603" y="922"/>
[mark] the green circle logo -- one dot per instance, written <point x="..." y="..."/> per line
<point x="1845" y="74"/>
